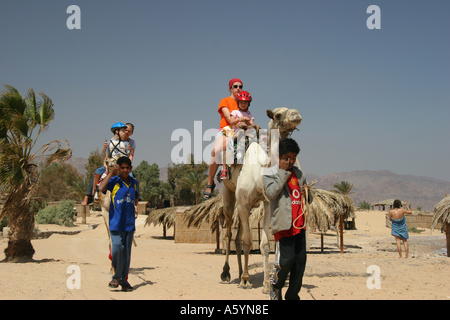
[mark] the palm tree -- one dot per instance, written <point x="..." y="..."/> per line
<point x="19" y="177"/>
<point x="343" y="187"/>
<point x="194" y="181"/>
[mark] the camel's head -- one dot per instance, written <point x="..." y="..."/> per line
<point x="284" y="119"/>
<point x="111" y="162"/>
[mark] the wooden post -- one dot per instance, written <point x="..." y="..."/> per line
<point x="341" y="229"/>
<point x="83" y="214"/>
<point x="447" y="234"/>
<point x="321" y="242"/>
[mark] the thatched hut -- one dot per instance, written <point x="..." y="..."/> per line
<point x="388" y="203"/>
<point x="165" y="217"/>
<point x="442" y="214"/>
<point x="327" y="208"/>
<point x="325" y="211"/>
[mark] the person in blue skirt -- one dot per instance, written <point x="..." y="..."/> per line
<point x="399" y="227"/>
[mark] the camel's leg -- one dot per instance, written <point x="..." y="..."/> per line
<point x="265" y="247"/>
<point x="238" y="244"/>
<point x="228" y="209"/>
<point x="244" y="212"/>
<point x="225" y="275"/>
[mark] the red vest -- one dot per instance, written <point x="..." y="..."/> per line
<point x="297" y="212"/>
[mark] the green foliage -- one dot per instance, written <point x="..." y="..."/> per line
<point x="150" y="187"/>
<point x="364" y="205"/>
<point x="60" y="181"/>
<point x="343" y="187"/>
<point x="95" y="160"/>
<point x="194" y="181"/>
<point x="62" y="215"/>
<point x="184" y="180"/>
<point x="415" y="230"/>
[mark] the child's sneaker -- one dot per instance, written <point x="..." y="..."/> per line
<point x="275" y="294"/>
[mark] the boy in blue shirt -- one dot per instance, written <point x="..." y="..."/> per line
<point x="122" y="210"/>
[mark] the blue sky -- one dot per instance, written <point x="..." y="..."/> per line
<point x="370" y="99"/>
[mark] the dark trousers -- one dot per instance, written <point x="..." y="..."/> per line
<point x="292" y="259"/>
<point x="121" y="253"/>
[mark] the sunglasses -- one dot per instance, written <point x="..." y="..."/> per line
<point x="237" y="86"/>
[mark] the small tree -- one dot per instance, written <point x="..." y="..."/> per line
<point x="343" y="187"/>
<point x="20" y="117"/>
<point x="183" y="193"/>
<point x="364" y="205"/>
<point x="60" y="181"/>
<point x="150" y="187"/>
<point x="194" y="181"/>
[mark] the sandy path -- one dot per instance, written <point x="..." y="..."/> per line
<point x="162" y="269"/>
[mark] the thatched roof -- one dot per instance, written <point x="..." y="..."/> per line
<point x="164" y="216"/>
<point x="323" y="212"/>
<point x="326" y="208"/>
<point x="441" y="212"/>
<point x="387" y="202"/>
<point x="209" y="211"/>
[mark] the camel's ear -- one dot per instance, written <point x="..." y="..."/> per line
<point x="269" y="114"/>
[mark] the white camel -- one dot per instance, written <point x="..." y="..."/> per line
<point x="104" y="199"/>
<point x="245" y="190"/>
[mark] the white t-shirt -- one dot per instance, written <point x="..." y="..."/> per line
<point x="118" y="148"/>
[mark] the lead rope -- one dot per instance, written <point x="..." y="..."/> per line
<point x="304" y="204"/>
<point x="304" y="208"/>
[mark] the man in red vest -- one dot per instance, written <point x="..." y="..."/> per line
<point x="284" y="184"/>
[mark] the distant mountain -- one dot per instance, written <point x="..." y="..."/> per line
<point x="79" y="164"/>
<point x="374" y="186"/>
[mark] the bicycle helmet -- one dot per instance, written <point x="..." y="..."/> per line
<point x="118" y="125"/>
<point x="244" y="96"/>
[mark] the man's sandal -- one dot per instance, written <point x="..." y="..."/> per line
<point x="208" y="195"/>
<point x="115" y="283"/>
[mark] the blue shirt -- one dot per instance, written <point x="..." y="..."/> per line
<point x="121" y="209"/>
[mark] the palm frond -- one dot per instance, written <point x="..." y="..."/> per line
<point x="32" y="108"/>
<point x="441" y="212"/>
<point x="165" y="216"/>
<point x="46" y="111"/>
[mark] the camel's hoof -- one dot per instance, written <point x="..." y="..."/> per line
<point x="225" y="276"/>
<point x="245" y="284"/>
<point x="266" y="288"/>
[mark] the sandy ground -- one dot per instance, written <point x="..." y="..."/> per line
<point x="164" y="270"/>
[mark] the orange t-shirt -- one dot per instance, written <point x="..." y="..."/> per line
<point x="229" y="103"/>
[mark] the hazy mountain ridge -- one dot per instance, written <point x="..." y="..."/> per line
<point x="374" y="186"/>
<point x="370" y="186"/>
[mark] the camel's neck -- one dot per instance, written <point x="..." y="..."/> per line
<point x="281" y="135"/>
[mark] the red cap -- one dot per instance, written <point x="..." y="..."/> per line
<point x="233" y="81"/>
